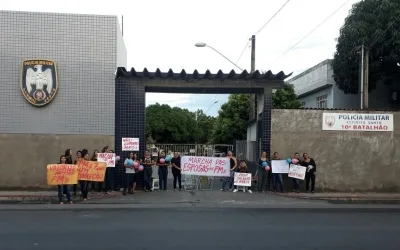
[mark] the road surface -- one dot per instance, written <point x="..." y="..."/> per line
<point x="199" y="228"/>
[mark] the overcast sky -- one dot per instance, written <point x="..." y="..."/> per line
<point x="162" y="33"/>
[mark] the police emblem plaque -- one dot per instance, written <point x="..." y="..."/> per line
<point x="39" y="81"/>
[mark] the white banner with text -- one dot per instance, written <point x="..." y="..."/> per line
<point x="297" y="172"/>
<point x="108" y="158"/>
<point x="205" y="166"/>
<point x="280" y="166"/>
<point x="130" y="144"/>
<point x="357" y="122"/>
<point x="242" y="179"/>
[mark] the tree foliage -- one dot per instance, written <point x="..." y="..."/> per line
<point x="232" y="119"/>
<point x="286" y="98"/>
<point x="375" y="24"/>
<point x="165" y="124"/>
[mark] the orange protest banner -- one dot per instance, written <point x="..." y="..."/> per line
<point x="91" y="171"/>
<point x="62" y="174"/>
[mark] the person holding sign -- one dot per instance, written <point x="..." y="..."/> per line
<point x="176" y="170"/>
<point x="63" y="189"/>
<point x="147" y="171"/>
<point x="296" y="182"/>
<point x="262" y="172"/>
<point x="78" y="158"/>
<point x="277" y="177"/>
<point x="162" y="171"/>
<point x="309" y="163"/>
<point x="84" y="184"/>
<point x="243" y="169"/>
<point x="233" y="166"/>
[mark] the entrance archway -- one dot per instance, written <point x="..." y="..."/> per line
<point x="131" y="88"/>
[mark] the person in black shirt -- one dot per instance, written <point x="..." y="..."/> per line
<point x="309" y="163"/>
<point x="176" y="170"/>
<point x="162" y="171"/>
<point x="147" y="172"/>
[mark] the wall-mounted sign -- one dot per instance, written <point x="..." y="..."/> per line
<point x="39" y="81"/>
<point x="357" y="122"/>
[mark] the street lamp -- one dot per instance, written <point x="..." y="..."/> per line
<point x="202" y="45"/>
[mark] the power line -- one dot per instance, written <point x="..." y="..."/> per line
<point x="319" y="25"/>
<point x="283" y="6"/>
<point x="241" y="54"/>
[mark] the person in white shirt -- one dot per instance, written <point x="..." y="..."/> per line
<point x="130" y="164"/>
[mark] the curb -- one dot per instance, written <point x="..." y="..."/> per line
<point x="342" y="198"/>
<point x="7" y="199"/>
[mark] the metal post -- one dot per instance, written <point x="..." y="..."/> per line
<point x="362" y="78"/>
<point x="366" y="74"/>
<point x="122" y="24"/>
<point x="253" y="54"/>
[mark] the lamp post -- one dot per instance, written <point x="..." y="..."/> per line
<point x="202" y="45"/>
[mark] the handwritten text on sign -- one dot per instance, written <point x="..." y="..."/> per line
<point x="242" y="179"/>
<point x="108" y="158"/>
<point x="91" y="171"/>
<point x="62" y="174"/>
<point x="280" y="166"/>
<point x="297" y="172"/>
<point x="130" y="144"/>
<point x="205" y="166"/>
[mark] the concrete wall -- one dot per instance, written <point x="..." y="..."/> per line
<point x="84" y="48"/>
<point x="346" y="161"/>
<point x="24" y="157"/>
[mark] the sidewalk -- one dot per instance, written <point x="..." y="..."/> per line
<point x="344" y="196"/>
<point x="43" y="196"/>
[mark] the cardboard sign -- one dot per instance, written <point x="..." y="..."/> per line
<point x="205" y="166"/>
<point x="297" y="172"/>
<point x="130" y="144"/>
<point x="108" y="158"/>
<point x="91" y="171"/>
<point x="62" y="174"/>
<point x="280" y="166"/>
<point x="242" y="179"/>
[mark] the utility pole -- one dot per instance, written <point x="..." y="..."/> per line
<point x="122" y="24"/>
<point x="253" y="54"/>
<point x="366" y="77"/>
<point x="362" y="78"/>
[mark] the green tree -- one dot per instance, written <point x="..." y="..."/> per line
<point x="375" y="24"/>
<point x="175" y="125"/>
<point x="232" y="119"/>
<point x="286" y="98"/>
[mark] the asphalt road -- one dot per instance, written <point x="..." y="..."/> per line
<point x="198" y="228"/>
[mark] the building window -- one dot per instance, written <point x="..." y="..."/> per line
<point x="322" y="102"/>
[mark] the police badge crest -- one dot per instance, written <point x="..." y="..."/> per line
<point x="39" y="82"/>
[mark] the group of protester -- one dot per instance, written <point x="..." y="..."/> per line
<point x="264" y="171"/>
<point x="133" y="165"/>
<point x="85" y="186"/>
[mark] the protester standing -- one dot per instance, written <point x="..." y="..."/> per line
<point x="243" y="169"/>
<point x="277" y="177"/>
<point x="63" y="189"/>
<point x="162" y="172"/>
<point x="311" y="171"/>
<point x="296" y="182"/>
<point x="176" y="170"/>
<point x="262" y="172"/>
<point x="129" y="174"/>
<point x="147" y="171"/>
<point x="84" y="184"/>
<point x="78" y="158"/>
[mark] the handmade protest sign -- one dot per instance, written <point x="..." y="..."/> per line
<point x="297" y="172"/>
<point x="205" y="166"/>
<point x="62" y="174"/>
<point x="91" y="171"/>
<point x="242" y="179"/>
<point x="130" y="144"/>
<point x="280" y="166"/>
<point x="108" y="158"/>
